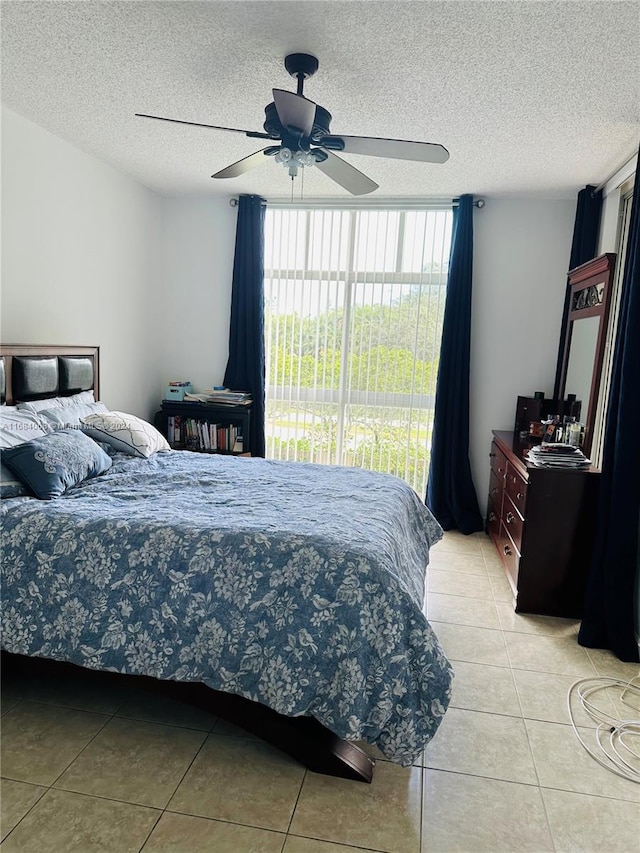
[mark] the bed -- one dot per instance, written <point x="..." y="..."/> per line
<point x="288" y="595"/>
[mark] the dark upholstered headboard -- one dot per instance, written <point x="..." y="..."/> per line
<point x="33" y="371"/>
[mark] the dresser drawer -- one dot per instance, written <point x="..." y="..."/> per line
<point x="510" y="557"/>
<point x="496" y="488"/>
<point x="512" y="521"/>
<point x="516" y="488"/>
<point x="493" y="519"/>
<point x="498" y="461"/>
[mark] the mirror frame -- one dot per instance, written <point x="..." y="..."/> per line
<point x="589" y="296"/>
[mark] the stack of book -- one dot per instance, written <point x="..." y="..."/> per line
<point x="192" y="434"/>
<point x="556" y="455"/>
<point x="221" y="397"/>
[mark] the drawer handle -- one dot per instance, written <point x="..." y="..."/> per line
<point x="492" y="516"/>
<point x="491" y="455"/>
<point x="507" y="551"/>
<point x="510" y="517"/>
<point x="519" y="496"/>
<point x="495" y="490"/>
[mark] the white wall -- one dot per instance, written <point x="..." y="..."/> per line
<point x="80" y="260"/>
<point x="92" y="257"/>
<point x="197" y="267"/>
<point x="521" y="258"/>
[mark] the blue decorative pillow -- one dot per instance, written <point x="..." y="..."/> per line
<point x="56" y="462"/>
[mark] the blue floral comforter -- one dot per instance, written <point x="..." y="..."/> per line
<point x="299" y="586"/>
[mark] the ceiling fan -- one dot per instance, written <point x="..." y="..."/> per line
<point x="302" y="129"/>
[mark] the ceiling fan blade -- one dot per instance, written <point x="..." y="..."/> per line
<point x="294" y="110"/>
<point x="252" y="133"/>
<point x="396" y="149"/>
<point x="241" y="166"/>
<point x="346" y="175"/>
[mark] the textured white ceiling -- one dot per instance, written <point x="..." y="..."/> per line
<point x="530" y="98"/>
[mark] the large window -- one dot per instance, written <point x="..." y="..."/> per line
<point x="354" y="301"/>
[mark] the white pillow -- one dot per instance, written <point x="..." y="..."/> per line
<point x="125" y="432"/>
<point x="58" y="402"/>
<point x="68" y="417"/>
<point x="16" y="427"/>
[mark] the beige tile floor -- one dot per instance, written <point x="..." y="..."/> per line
<point x="88" y="769"/>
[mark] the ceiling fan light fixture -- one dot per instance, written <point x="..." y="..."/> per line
<point x="284" y="155"/>
<point x="305" y="158"/>
<point x="293" y="161"/>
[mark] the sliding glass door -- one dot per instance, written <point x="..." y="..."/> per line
<point x="354" y="301"/>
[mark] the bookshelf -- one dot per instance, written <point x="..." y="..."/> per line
<point x="205" y="427"/>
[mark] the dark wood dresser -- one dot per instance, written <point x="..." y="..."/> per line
<point x="542" y="522"/>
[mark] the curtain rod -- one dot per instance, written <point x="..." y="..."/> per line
<point x="389" y="204"/>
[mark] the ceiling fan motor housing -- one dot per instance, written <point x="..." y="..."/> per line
<point x="320" y="129"/>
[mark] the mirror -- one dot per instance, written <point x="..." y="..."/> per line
<point x="582" y="356"/>
<point x="583" y="347"/>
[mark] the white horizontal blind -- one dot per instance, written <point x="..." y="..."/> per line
<point x="354" y="302"/>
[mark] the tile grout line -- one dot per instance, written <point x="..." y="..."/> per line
<point x="295" y="806"/>
<point x="163" y="810"/>
<point x="140" y="849"/>
<point x="526" y="732"/>
<point x="535" y="785"/>
<point x="33" y="805"/>
<point x="110" y="717"/>
<point x="50" y="787"/>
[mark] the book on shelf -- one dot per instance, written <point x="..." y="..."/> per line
<point x="174" y="429"/>
<point x="193" y="434"/>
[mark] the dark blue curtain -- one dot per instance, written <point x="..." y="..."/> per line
<point x="451" y="496"/>
<point x="610" y="601"/>
<point x="245" y="368"/>
<point x="583" y="248"/>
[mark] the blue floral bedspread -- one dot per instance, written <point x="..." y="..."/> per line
<point x="299" y="586"/>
